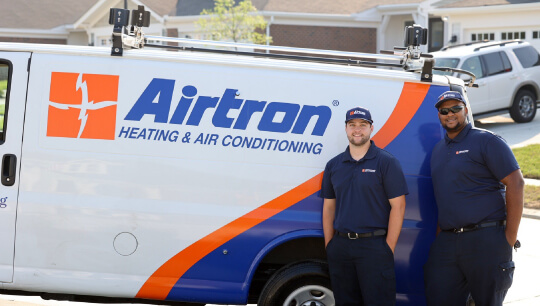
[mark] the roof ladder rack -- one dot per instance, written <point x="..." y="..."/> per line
<point x="131" y="36"/>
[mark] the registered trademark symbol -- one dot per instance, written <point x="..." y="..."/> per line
<point x="335" y="102"/>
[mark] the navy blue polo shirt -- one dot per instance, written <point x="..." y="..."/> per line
<point x="467" y="173"/>
<point x="362" y="189"/>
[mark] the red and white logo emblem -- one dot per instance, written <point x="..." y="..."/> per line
<point x="82" y="105"/>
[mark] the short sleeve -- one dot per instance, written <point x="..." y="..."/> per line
<point x="327" y="189"/>
<point x="499" y="158"/>
<point x="394" y="180"/>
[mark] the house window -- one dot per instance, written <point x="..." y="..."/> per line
<point x="105" y="41"/>
<point x="536" y="35"/>
<point x="513" y="35"/>
<point x="482" y="36"/>
<point x="435" y="34"/>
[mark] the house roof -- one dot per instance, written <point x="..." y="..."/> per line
<point x="479" y="3"/>
<point x="161" y="7"/>
<point x="41" y="14"/>
<point x="343" y="7"/>
<point x="49" y="14"/>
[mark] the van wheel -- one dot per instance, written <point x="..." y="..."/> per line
<point x="524" y="107"/>
<point x="301" y="284"/>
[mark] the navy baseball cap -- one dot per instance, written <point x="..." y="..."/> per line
<point x="449" y="95"/>
<point x="358" y="113"/>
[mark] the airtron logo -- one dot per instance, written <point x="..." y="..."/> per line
<point x="82" y="105"/>
<point x="228" y="111"/>
<point x="85" y="105"/>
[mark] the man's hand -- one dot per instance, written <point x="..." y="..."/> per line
<point x="328" y="215"/>
<point x="395" y="221"/>
<point x="514" y="204"/>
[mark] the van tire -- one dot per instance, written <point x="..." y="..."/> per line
<point x="298" y="284"/>
<point x="524" y="106"/>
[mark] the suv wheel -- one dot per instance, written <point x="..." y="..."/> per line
<point x="524" y="106"/>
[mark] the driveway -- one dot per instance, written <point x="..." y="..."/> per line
<point x="516" y="134"/>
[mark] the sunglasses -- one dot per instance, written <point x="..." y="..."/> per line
<point x="453" y="109"/>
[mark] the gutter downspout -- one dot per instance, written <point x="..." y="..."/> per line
<point x="268" y="32"/>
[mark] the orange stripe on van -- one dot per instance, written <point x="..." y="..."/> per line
<point x="412" y="96"/>
<point x="163" y="280"/>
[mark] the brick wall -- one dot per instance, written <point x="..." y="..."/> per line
<point x="34" y="40"/>
<point x="172" y="33"/>
<point x="329" y="38"/>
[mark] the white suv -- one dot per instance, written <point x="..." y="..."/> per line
<point x="507" y="74"/>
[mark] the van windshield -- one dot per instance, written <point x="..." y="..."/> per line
<point x="445" y="62"/>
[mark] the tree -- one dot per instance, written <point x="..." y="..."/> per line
<point x="239" y="23"/>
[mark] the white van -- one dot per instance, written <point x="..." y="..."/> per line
<point x="194" y="176"/>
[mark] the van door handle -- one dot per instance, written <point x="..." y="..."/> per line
<point x="9" y="167"/>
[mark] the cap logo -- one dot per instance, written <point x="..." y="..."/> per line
<point x="357" y="112"/>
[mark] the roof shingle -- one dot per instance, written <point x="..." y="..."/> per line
<point x="478" y="3"/>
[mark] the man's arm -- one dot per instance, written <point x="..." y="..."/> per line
<point x="395" y="222"/>
<point x="328" y="215"/>
<point x="514" y="204"/>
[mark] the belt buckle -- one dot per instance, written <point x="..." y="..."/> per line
<point x="352" y="238"/>
<point x="458" y="230"/>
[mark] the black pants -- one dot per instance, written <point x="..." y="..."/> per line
<point x="477" y="262"/>
<point x="361" y="271"/>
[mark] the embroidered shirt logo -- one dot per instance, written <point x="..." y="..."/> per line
<point x="461" y="152"/>
<point x="368" y="170"/>
<point x="82" y="105"/>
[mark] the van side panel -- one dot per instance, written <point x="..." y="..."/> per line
<point x="418" y="230"/>
<point x="170" y="179"/>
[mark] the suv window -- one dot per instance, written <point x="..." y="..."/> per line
<point x="496" y="62"/>
<point x="528" y="56"/>
<point x="473" y="65"/>
<point x="446" y="62"/>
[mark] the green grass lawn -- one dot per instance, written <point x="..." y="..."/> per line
<point x="3" y="85"/>
<point x="529" y="160"/>
<point x="532" y="196"/>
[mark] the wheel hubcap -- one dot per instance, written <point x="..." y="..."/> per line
<point x="526" y="106"/>
<point x="312" y="295"/>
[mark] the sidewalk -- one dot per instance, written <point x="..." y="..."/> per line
<point x="528" y="212"/>
<point x="532" y="182"/>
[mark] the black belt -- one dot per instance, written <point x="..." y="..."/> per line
<point x="380" y="232"/>
<point x="476" y="226"/>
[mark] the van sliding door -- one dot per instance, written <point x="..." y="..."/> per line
<point x="13" y="82"/>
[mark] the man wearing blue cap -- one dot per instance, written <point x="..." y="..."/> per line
<point x="478" y="217"/>
<point x="364" y="203"/>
